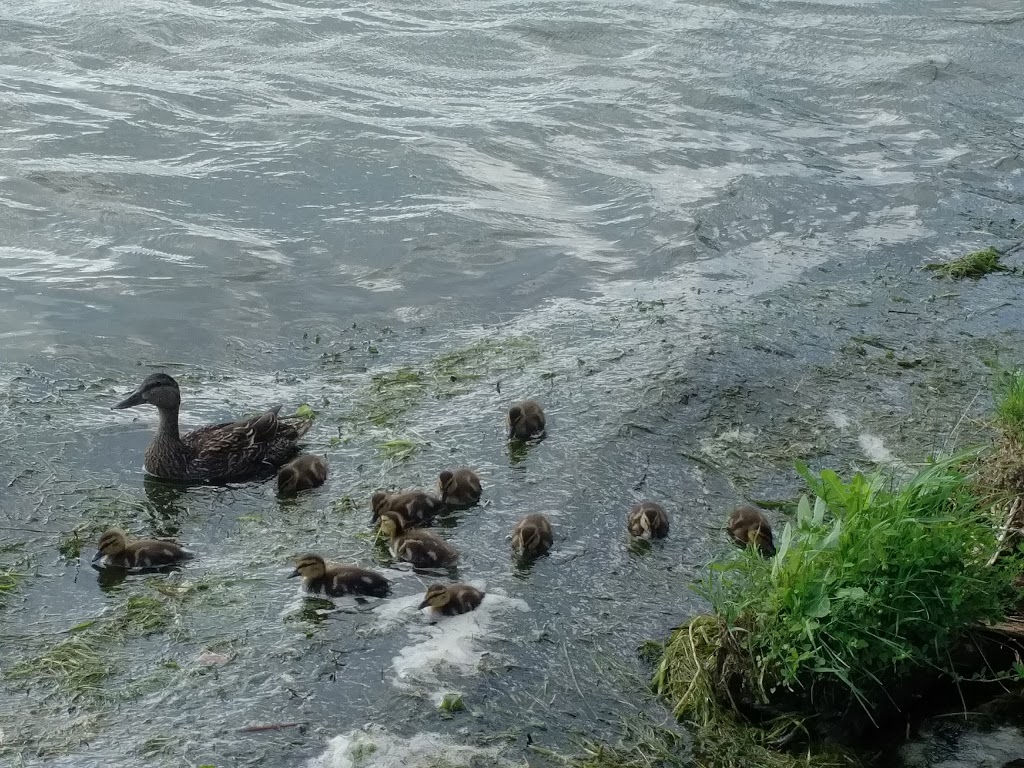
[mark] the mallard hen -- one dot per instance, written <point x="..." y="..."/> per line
<point x="232" y="451"/>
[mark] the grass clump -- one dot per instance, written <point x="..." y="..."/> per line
<point x="974" y="265"/>
<point x="872" y="585"/>
<point x="1010" y="404"/>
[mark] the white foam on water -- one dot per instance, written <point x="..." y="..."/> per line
<point x="838" y="418"/>
<point x="454" y="644"/>
<point x="375" y="747"/>
<point x="874" y="448"/>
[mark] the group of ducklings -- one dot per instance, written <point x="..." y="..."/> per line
<point x="247" y="448"/>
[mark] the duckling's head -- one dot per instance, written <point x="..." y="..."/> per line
<point x="446" y="483"/>
<point x="157" y="389"/>
<point x="437" y="597"/>
<point x="391" y="524"/>
<point x="378" y="503"/>
<point x="113" y="542"/>
<point x="288" y="480"/>
<point x="648" y="521"/>
<point x="525" y="538"/>
<point x="309" y="567"/>
<point x="515" y="415"/>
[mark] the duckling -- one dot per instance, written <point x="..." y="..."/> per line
<point x="460" y="487"/>
<point x="451" y="599"/>
<point x="301" y="474"/>
<point x="421" y="548"/>
<point x="234" y="451"/>
<point x="748" y="525"/>
<point x="648" y="520"/>
<point x="116" y="551"/>
<point x="532" y="536"/>
<point x="526" y="421"/>
<point x="416" y="507"/>
<point x="337" y="580"/>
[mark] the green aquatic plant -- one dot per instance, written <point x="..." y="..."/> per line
<point x="397" y="450"/>
<point x="872" y="584"/>
<point x="451" y="703"/>
<point x="974" y="265"/>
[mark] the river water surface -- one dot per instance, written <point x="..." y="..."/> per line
<point x="694" y="230"/>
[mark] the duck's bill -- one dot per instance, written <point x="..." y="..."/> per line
<point x="135" y="398"/>
<point x="423" y="605"/>
<point x="97" y="556"/>
<point x="294" y="573"/>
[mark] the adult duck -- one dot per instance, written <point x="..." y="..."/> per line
<point x="219" y="453"/>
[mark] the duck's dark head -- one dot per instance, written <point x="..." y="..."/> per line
<point x="157" y="389"/>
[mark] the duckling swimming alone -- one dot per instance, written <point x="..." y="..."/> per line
<point x="532" y="536"/>
<point x="526" y="421"/>
<point x="116" y="551"/>
<point x="452" y="599"/>
<point x="416" y="507"/>
<point x="219" y="453"/>
<point x="421" y="548"/>
<point x="648" y="520"/>
<point x="460" y="487"/>
<point x="337" y="580"/>
<point x="301" y="474"/>
<point x="748" y="525"/>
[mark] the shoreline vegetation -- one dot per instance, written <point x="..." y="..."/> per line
<point x="888" y="598"/>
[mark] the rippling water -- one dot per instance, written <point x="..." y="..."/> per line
<point x="661" y="218"/>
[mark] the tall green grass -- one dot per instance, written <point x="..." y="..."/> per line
<point x="870" y="584"/>
<point x="1010" y="403"/>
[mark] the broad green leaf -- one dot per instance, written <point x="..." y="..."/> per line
<point x="819" y="510"/>
<point x="851" y="593"/>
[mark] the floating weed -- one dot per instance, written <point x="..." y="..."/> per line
<point x="397" y="450"/>
<point x="75" y="664"/>
<point x="451" y="703"/>
<point x="143" y="615"/>
<point x="81" y="662"/>
<point x="344" y="505"/>
<point x="393" y="394"/>
<point x="305" y="411"/>
<point x="974" y="265"/>
<point x="9" y="581"/>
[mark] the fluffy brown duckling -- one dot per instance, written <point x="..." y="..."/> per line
<point x="648" y="520"/>
<point x="460" y="487"/>
<point x="748" y="525"/>
<point x="117" y="551"/>
<point x="451" y="599"/>
<point x="532" y="536"/>
<point x="337" y="580"/>
<point x="420" y="547"/>
<point x="301" y="474"/>
<point x="416" y="507"/>
<point x="526" y="421"/>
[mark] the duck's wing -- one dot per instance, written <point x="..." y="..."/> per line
<point x="234" y="436"/>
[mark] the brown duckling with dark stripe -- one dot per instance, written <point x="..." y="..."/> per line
<point x="116" y="550"/>
<point x="648" y="520"/>
<point x="526" y="421"/>
<point x="532" y="536"/>
<point x="452" y="599"/>
<point x="416" y="508"/>
<point x="417" y="546"/>
<point x="302" y="473"/>
<point x="748" y="525"/>
<point x="459" y="487"/>
<point x="337" y="580"/>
